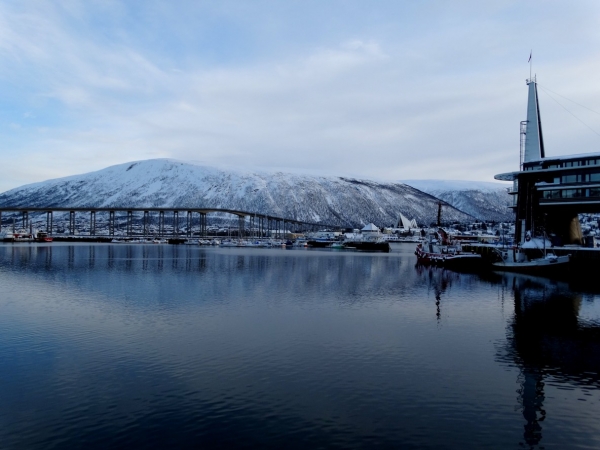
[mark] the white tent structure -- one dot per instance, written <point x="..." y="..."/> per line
<point x="407" y="224"/>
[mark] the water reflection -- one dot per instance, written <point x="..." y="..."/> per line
<point x="552" y="338"/>
<point x="440" y="280"/>
<point x="546" y="339"/>
<point x="237" y="273"/>
<point x="130" y="344"/>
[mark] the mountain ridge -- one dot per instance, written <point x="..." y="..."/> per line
<point x="167" y="183"/>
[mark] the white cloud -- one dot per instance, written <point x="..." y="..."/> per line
<point x="440" y="94"/>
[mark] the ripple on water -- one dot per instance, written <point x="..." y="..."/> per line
<point x="147" y="347"/>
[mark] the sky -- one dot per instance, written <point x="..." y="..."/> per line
<point x="383" y="90"/>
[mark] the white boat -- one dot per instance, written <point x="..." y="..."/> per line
<point x="7" y="236"/>
<point x="369" y="239"/>
<point x="518" y="258"/>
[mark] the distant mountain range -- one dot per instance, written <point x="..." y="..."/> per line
<point x="343" y="201"/>
<point x="482" y="200"/>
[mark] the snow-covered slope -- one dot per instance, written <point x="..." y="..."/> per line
<point x="483" y="200"/>
<point x="168" y="183"/>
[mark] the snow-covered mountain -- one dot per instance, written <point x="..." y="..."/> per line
<point x="174" y="184"/>
<point x="483" y="200"/>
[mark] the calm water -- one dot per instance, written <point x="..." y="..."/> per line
<point x="114" y="346"/>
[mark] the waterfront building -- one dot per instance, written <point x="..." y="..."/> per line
<point x="549" y="193"/>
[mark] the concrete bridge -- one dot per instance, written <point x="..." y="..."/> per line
<point x="260" y="223"/>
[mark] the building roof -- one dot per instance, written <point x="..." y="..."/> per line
<point x="370" y="227"/>
<point x="567" y="157"/>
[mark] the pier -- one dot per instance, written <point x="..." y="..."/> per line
<point x="159" y="222"/>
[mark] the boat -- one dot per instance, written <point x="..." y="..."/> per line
<point x="42" y="236"/>
<point x="518" y="258"/>
<point x="319" y="243"/>
<point x="7" y="236"/>
<point x="369" y="245"/>
<point x="441" y="251"/>
<point x="321" y="239"/>
<point x="370" y="239"/>
<point x="301" y="242"/>
<point x="23" y="236"/>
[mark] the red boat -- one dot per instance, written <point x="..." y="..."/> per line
<point x="440" y="251"/>
<point x="42" y="236"/>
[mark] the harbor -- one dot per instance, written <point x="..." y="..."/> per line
<point x="337" y="225"/>
<point x="219" y="339"/>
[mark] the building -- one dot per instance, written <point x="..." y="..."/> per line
<point x="550" y="192"/>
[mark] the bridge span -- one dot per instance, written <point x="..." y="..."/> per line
<point x="154" y="221"/>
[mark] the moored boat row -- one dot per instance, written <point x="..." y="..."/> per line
<point x="533" y="256"/>
<point x="25" y="236"/>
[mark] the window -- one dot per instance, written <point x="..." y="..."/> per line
<point x="594" y="176"/>
<point x="594" y="192"/>
<point x="569" y="178"/>
<point x="572" y="164"/>
<point x="552" y="194"/>
<point x="571" y="193"/>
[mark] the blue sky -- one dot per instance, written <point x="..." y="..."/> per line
<point x="386" y="90"/>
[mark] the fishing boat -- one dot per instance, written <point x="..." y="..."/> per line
<point x="42" y="236"/>
<point x="439" y="250"/>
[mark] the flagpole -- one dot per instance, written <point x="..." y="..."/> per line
<point x="530" y="55"/>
